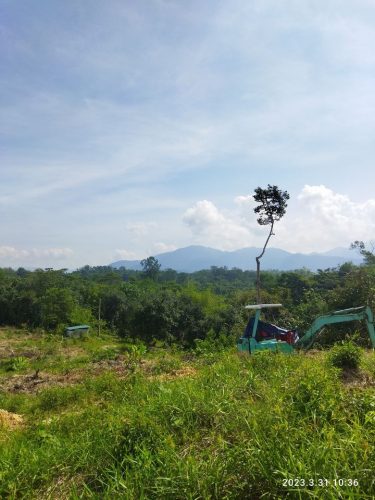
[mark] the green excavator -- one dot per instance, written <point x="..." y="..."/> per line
<point x="259" y="336"/>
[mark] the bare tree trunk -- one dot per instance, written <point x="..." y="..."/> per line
<point x="258" y="265"/>
<point x="258" y="280"/>
<point x="100" y="307"/>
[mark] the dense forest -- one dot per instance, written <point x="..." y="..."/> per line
<point x="166" y="307"/>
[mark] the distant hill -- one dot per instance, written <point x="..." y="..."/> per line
<point x="194" y="258"/>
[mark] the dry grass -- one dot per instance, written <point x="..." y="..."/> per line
<point x="10" y="421"/>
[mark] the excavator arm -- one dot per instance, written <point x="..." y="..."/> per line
<point x="352" y="314"/>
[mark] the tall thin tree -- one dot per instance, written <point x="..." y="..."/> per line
<point x="271" y="208"/>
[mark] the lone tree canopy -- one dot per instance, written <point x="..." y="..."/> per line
<point x="150" y="267"/>
<point x="271" y="208"/>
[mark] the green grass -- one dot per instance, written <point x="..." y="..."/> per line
<point x="234" y="427"/>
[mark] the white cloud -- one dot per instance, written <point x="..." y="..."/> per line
<point x="212" y="227"/>
<point x="123" y="254"/>
<point x="15" y="254"/>
<point x="318" y="219"/>
<point x="12" y="253"/>
<point x="203" y="215"/>
<point x="56" y="253"/>
<point x="324" y="219"/>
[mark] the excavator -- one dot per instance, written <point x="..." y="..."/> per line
<point x="259" y="336"/>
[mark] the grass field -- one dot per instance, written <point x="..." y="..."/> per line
<point x="98" y="418"/>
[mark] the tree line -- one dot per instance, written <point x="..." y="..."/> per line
<point x="166" y="306"/>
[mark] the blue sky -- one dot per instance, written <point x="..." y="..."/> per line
<point x="129" y="128"/>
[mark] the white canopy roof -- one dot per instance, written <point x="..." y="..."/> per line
<point x="263" y="306"/>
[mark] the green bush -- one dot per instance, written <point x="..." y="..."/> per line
<point x="345" y="355"/>
<point x="16" y="364"/>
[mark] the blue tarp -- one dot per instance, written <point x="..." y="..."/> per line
<point x="265" y="330"/>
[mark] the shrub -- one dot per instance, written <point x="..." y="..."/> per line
<point x="134" y="358"/>
<point x="15" y="364"/>
<point x="345" y="355"/>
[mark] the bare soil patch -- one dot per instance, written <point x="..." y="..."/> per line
<point x="8" y="347"/>
<point x="37" y="381"/>
<point x="357" y="378"/>
<point x="121" y="366"/>
<point x="29" y="384"/>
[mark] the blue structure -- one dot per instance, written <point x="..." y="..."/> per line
<point x="76" y="331"/>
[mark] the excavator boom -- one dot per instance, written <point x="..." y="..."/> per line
<point x="343" y="316"/>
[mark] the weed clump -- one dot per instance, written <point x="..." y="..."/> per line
<point x="346" y="355"/>
<point x="17" y="363"/>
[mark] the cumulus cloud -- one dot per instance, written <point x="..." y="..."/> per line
<point x="203" y="215"/>
<point x="210" y="226"/>
<point x="325" y="219"/>
<point x="318" y="219"/>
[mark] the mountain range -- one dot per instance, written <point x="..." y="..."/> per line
<point x="196" y="257"/>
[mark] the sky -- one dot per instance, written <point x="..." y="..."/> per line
<point x="132" y="128"/>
